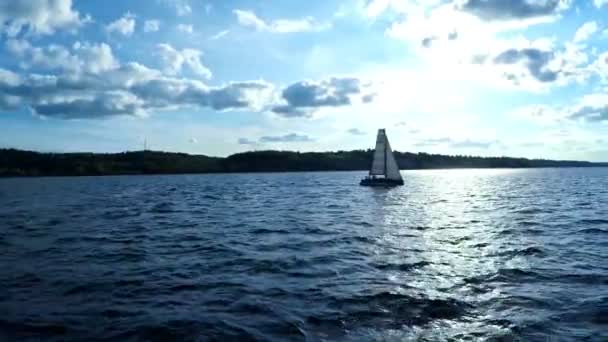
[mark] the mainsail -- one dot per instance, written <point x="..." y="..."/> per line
<point x="384" y="163"/>
<point x="379" y="163"/>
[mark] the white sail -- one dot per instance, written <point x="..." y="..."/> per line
<point x="392" y="169"/>
<point x="378" y="165"/>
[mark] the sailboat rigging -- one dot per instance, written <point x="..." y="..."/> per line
<point x="384" y="170"/>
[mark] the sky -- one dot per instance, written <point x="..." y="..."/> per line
<point x="525" y="78"/>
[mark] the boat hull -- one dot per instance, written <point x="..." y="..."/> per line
<point x="380" y="182"/>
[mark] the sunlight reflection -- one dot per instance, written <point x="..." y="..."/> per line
<point x="445" y="233"/>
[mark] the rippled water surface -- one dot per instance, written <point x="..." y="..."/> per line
<point x="460" y="254"/>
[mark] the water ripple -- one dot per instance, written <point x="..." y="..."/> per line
<point x="452" y="255"/>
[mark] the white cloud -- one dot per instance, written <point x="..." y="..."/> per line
<point x="585" y="31"/>
<point x="39" y="16"/>
<point x="129" y="89"/>
<point x="95" y="58"/>
<point x="591" y="108"/>
<point x="83" y="57"/>
<point x="251" y="20"/>
<point x="151" y="25"/>
<point x="185" y="28"/>
<point x="181" y="7"/>
<point x="459" y="44"/>
<point x="219" y="35"/>
<point x="18" y="47"/>
<point x="134" y="89"/>
<point x="175" y="59"/>
<point x="600" y="67"/>
<point x="124" y="25"/>
<point x="375" y="8"/>
<point x="600" y="3"/>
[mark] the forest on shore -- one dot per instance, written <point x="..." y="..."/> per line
<point x="15" y="162"/>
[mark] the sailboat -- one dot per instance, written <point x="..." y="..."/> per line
<point x="384" y="170"/>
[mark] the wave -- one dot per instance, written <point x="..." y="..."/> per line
<point x="388" y="309"/>
<point x="593" y="231"/>
<point x="405" y="267"/>
<point x="593" y="221"/>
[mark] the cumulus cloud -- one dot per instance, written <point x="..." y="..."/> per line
<point x="131" y="89"/>
<point x="96" y="85"/>
<point x="105" y="104"/>
<point x="151" y="25"/>
<point x="39" y="16"/>
<point x="251" y="20"/>
<point x="91" y="83"/>
<point x="585" y="31"/>
<point x="82" y="57"/>
<point x="185" y="28"/>
<point x="303" y="98"/>
<point x="512" y="9"/>
<point x="252" y="95"/>
<point x="124" y="25"/>
<point x="175" y="60"/>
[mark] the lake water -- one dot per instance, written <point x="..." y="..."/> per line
<point x="460" y="254"/>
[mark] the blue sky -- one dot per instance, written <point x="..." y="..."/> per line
<point x="477" y="77"/>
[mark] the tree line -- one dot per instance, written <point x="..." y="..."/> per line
<point x="28" y="163"/>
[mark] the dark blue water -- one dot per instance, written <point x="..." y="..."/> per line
<point x="452" y="255"/>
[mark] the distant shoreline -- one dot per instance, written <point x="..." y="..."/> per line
<point x="2" y="176"/>
<point x="19" y="163"/>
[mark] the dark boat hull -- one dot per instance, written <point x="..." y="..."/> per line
<point x="380" y="182"/>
